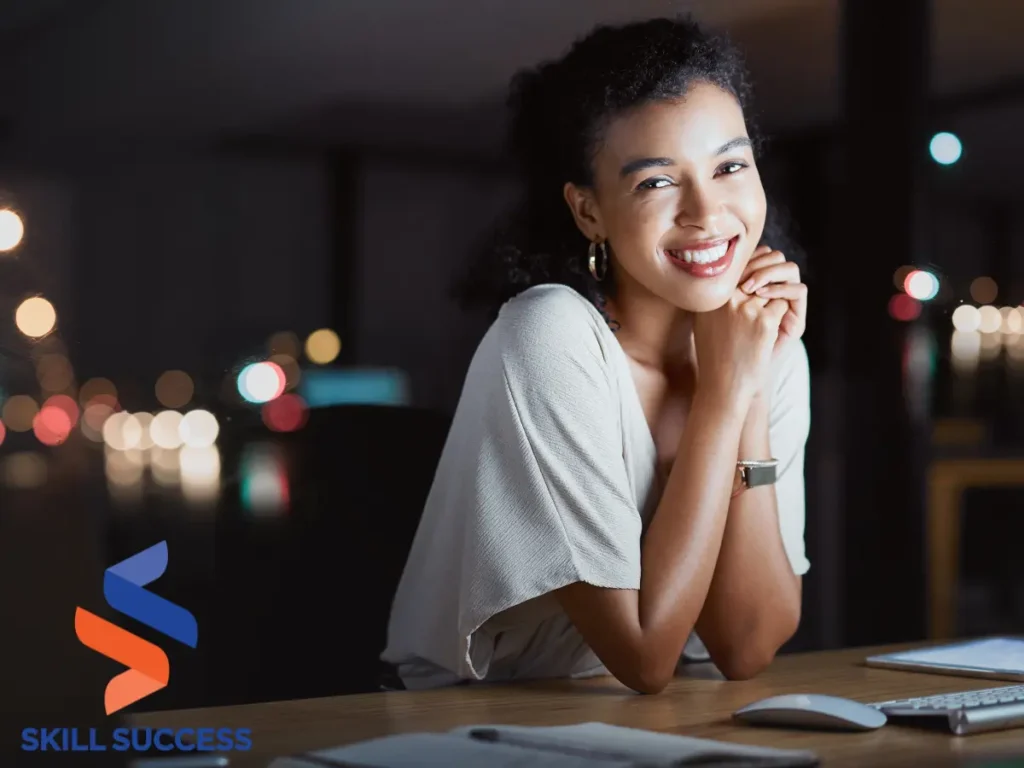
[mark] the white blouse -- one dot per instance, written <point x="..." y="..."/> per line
<point x="548" y="478"/>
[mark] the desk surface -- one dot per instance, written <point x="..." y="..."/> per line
<point x="698" y="703"/>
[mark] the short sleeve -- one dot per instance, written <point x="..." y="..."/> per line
<point x="553" y="502"/>
<point x="789" y="427"/>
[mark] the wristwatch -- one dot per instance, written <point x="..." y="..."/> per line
<point x="750" y="474"/>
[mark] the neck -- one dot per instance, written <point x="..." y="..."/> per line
<point x="653" y="332"/>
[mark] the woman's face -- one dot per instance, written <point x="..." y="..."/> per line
<point x="678" y="198"/>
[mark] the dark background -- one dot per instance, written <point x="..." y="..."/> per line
<point x="196" y="175"/>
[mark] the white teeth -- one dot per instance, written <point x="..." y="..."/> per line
<point x="706" y="255"/>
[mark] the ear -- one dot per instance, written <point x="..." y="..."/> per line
<point x="582" y="203"/>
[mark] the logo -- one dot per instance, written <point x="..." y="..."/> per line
<point x="124" y="590"/>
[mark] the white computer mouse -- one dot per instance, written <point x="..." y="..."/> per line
<point x="812" y="710"/>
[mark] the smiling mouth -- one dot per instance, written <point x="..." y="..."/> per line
<point x="709" y="260"/>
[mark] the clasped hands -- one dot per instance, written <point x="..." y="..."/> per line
<point x="768" y="311"/>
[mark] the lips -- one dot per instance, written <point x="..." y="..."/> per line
<point x="709" y="258"/>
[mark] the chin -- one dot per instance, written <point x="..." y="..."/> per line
<point x="707" y="300"/>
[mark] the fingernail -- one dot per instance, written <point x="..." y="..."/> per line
<point x="748" y="286"/>
<point x="762" y="291"/>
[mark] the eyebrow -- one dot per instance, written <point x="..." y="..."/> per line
<point x="643" y="163"/>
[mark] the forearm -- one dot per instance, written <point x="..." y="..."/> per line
<point x="684" y="538"/>
<point x="753" y="603"/>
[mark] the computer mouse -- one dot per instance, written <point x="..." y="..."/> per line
<point x="812" y="710"/>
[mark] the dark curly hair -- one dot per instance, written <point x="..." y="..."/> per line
<point x="559" y="112"/>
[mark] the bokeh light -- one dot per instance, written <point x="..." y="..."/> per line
<point x="905" y="308"/>
<point x="290" y="367"/>
<point x="261" y="382"/>
<point x="965" y="349"/>
<point x="945" y="148"/>
<point x="3" y="432"/>
<point x="1013" y="320"/>
<point x="174" y="389"/>
<point x="66" y="404"/>
<point x="54" y="372"/>
<point x="284" y="343"/>
<point x="146" y="422"/>
<point x="264" y="486"/>
<point x="991" y="321"/>
<point x="899" y="277"/>
<point x="124" y="468"/>
<point x="287" y="413"/>
<point x="122" y="431"/>
<point x="19" y="412"/>
<point x="199" y="429"/>
<point x="97" y="391"/>
<point x="12" y="230"/>
<point x="165" y="467"/>
<point x="35" y="317"/>
<point x="165" y="430"/>
<point x="51" y="425"/>
<point x="94" y="417"/>
<point x="200" y="474"/>
<point x="25" y="471"/>
<point x="323" y="346"/>
<point x="984" y="290"/>
<point x="921" y="284"/>
<point x="966" y="318"/>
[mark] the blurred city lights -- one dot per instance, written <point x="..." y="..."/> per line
<point x="261" y="382"/>
<point x="284" y="343"/>
<point x="35" y="317"/>
<point x="51" y="425"/>
<point x="264" y="486"/>
<point x="984" y="290"/>
<point x="945" y="148"/>
<point x="66" y="404"/>
<point x="966" y="318"/>
<point x="287" y="413"/>
<point x="905" y="308"/>
<point x="899" y="277"/>
<point x="990" y="319"/>
<point x="965" y="349"/>
<point x="12" y="230"/>
<point x="165" y="467"/>
<point x="122" y="431"/>
<point x="165" y="430"/>
<point x="200" y="473"/>
<point x="1013" y="320"/>
<point x="921" y="284"/>
<point x="146" y="423"/>
<point x="25" y="470"/>
<point x="98" y="391"/>
<point x="19" y="413"/>
<point x="323" y="346"/>
<point x="290" y="367"/>
<point x="54" y="372"/>
<point x="94" y="417"/>
<point x="174" y="389"/>
<point x="199" y="429"/>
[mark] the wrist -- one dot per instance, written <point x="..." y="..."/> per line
<point x="723" y="405"/>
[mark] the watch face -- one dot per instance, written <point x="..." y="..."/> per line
<point x="760" y="475"/>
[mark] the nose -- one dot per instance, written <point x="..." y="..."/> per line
<point x="700" y="207"/>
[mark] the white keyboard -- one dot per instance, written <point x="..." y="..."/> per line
<point x="963" y="712"/>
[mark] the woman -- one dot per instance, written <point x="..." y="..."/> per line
<point x="624" y="469"/>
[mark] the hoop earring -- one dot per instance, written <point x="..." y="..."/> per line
<point x="598" y="264"/>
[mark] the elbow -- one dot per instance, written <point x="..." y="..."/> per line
<point x="754" y="653"/>
<point x="648" y="673"/>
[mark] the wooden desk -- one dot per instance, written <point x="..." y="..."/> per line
<point x="699" y="703"/>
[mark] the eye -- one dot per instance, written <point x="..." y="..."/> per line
<point x="656" y="183"/>
<point x="728" y="169"/>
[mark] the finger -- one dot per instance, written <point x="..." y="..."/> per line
<point x="792" y="325"/>
<point x="785" y="272"/>
<point x="788" y="291"/>
<point x="761" y="259"/>
<point x="777" y="309"/>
